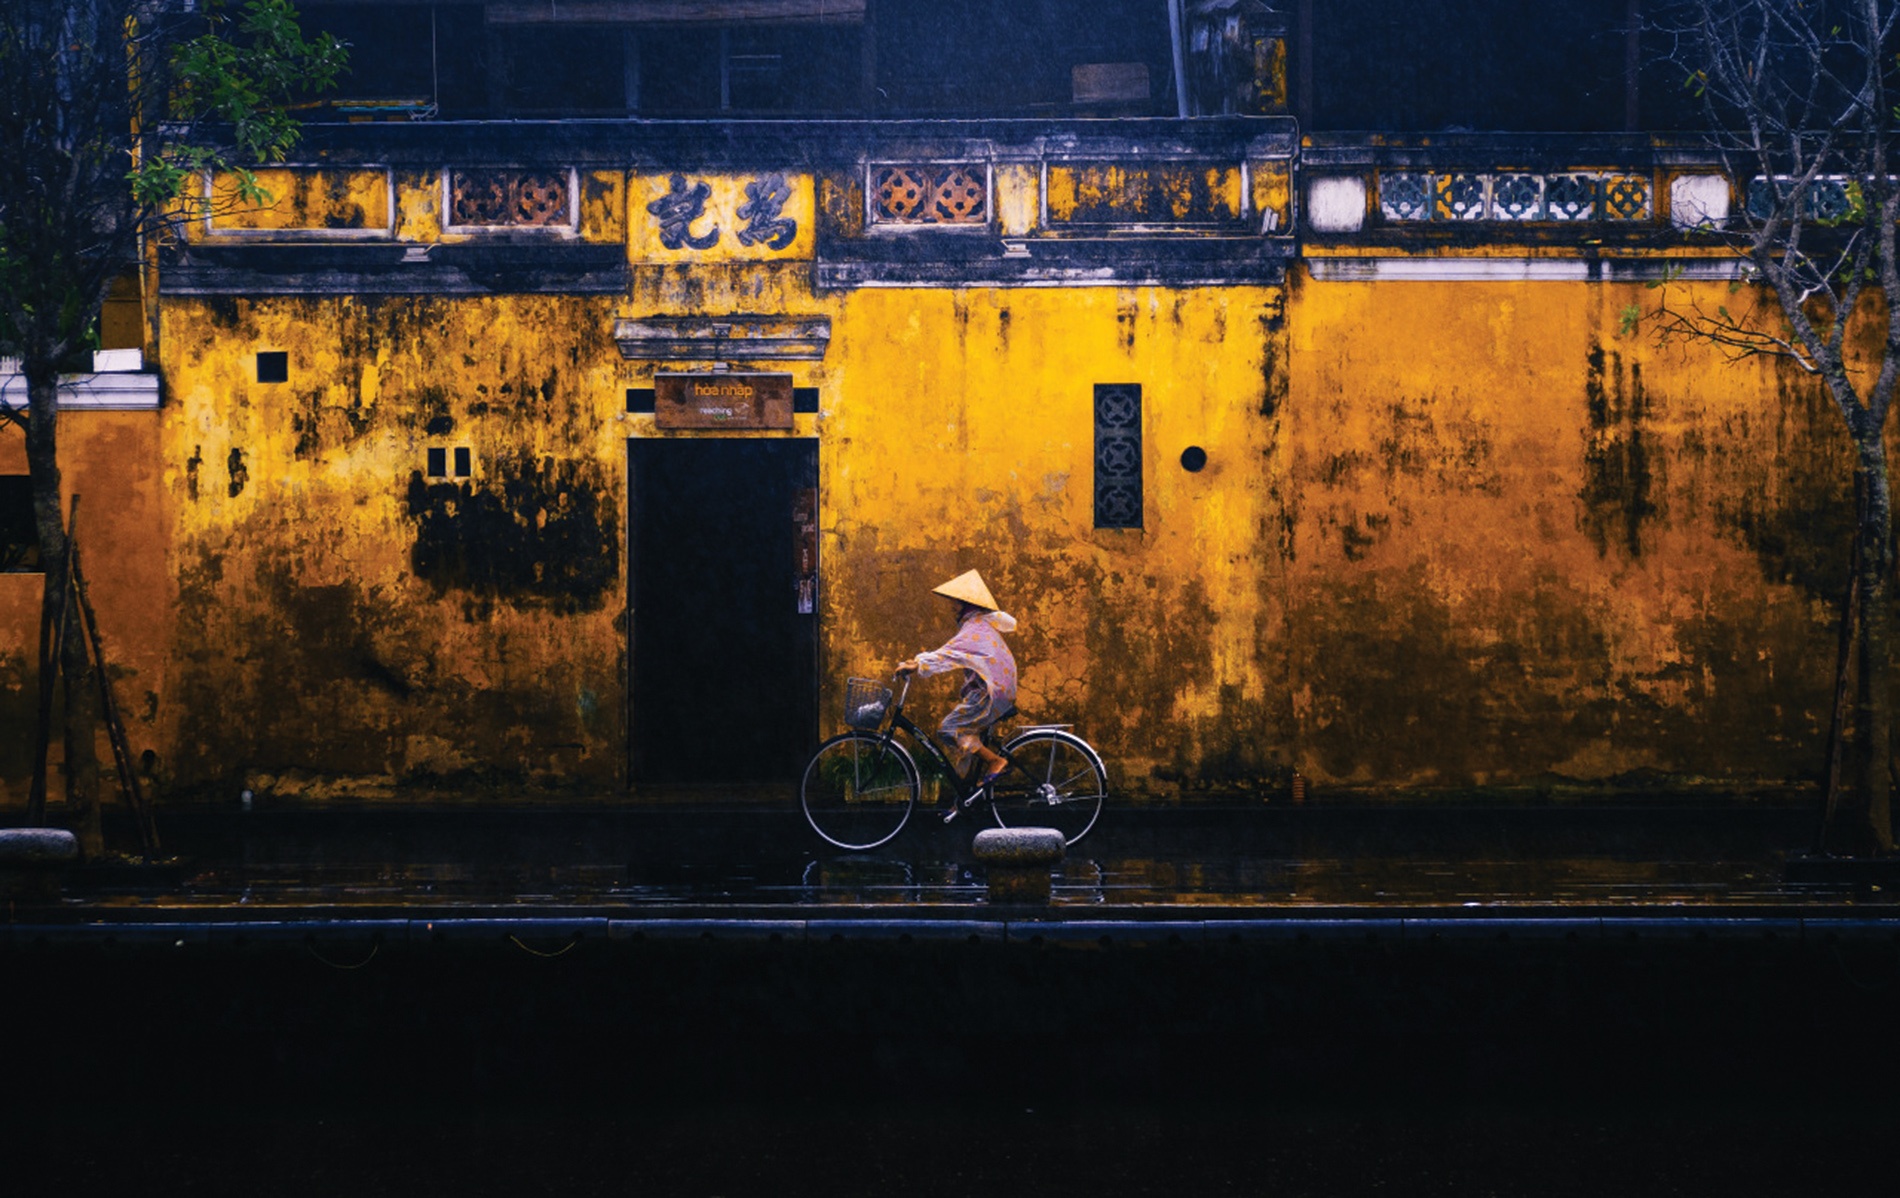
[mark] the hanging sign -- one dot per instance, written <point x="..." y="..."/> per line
<point x="722" y="400"/>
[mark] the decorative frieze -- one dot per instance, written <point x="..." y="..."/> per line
<point x="1407" y="196"/>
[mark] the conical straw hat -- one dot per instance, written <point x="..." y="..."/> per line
<point x="968" y="586"/>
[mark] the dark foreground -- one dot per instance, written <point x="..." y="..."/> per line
<point x="710" y="1066"/>
<point x="1495" y="1003"/>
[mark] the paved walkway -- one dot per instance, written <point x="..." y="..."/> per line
<point x="746" y="869"/>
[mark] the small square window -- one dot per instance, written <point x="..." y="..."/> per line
<point x="462" y="469"/>
<point x="19" y="536"/>
<point x="273" y="366"/>
<point x="438" y="463"/>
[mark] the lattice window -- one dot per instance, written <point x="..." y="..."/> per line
<point x="1625" y="197"/>
<point x="929" y="194"/>
<point x="1118" y="455"/>
<point x="1571" y="197"/>
<point x="491" y="199"/>
<point x="1518" y="197"/>
<point x="1827" y="197"/>
<point x="1404" y="195"/>
<point x="1463" y="197"/>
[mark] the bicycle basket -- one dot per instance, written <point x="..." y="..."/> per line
<point x="865" y="702"/>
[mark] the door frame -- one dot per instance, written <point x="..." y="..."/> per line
<point x="630" y="650"/>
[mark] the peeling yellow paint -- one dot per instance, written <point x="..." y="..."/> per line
<point x="303" y="199"/>
<point x="1273" y="192"/>
<point x="1016" y="199"/>
<point x="1446" y="533"/>
<point x="419" y="206"/>
<point x="603" y="216"/>
<point x="1116" y="193"/>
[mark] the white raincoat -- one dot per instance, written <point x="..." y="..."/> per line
<point x="989" y="679"/>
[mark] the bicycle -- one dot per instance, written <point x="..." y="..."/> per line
<point x="861" y="786"/>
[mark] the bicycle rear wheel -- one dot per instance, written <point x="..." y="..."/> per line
<point x="859" y="790"/>
<point x="1058" y="782"/>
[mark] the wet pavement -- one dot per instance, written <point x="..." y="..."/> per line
<point x="715" y="858"/>
<point x="699" y="997"/>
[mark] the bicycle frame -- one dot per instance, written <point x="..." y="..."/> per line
<point x="965" y="791"/>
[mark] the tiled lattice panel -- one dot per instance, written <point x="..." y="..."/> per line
<point x="508" y="199"/>
<point x="1827" y="198"/>
<point x="1406" y="196"/>
<point x="934" y="194"/>
<point x="1117" y="455"/>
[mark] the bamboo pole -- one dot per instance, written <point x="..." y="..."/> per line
<point x="1837" y="725"/>
<point x="129" y="788"/>
<point x="52" y="639"/>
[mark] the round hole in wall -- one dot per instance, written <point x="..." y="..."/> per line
<point x="1193" y="458"/>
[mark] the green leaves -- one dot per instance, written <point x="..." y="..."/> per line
<point x="246" y="73"/>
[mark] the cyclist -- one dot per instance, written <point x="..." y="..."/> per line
<point x="989" y="673"/>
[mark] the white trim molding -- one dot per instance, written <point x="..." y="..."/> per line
<point x="1515" y="270"/>
<point x="118" y="383"/>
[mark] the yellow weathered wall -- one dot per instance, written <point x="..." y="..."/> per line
<point x="962" y="435"/>
<point x="111" y="460"/>
<point x="301" y="199"/>
<point x="1525" y="546"/>
<point x="1449" y="533"/>
<point x="330" y="618"/>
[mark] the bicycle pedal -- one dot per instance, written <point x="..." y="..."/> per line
<point x="951" y="814"/>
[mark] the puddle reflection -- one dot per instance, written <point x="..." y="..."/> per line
<point x="1150" y="858"/>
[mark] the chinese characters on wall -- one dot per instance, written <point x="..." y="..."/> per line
<point x="683" y="209"/>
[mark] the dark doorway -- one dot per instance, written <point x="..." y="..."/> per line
<point x="724" y="646"/>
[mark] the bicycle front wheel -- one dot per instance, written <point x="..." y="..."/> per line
<point x="859" y="790"/>
<point x="1057" y="782"/>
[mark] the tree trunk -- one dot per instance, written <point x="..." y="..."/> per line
<point x="1865" y="822"/>
<point x="80" y="710"/>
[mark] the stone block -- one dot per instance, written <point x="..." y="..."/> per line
<point x="1019" y="846"/>
<point x="1017" y="862"/>
<point x="37" y="847"/>
<point x="1698" y="201"/>
<point x="1336" y="203"/>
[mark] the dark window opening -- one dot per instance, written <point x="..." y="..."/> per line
<point x="1118" y="455"/>
<point x="423" y="55"/>
<point x="1006" y="57"/>
<point x="19" y="534"/>
<point x="462" y="464"/>
<point x="560" y="70"/>
<point x="755" y="69"/>
<point x="1193" y="459"/>
<point x="1476" y="65"/>
<point x="273" y="366"/>
<point x="679" y="70"/>
<point x="438" y="463"/>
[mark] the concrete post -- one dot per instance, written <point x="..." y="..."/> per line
<point x="1017" y="861"/>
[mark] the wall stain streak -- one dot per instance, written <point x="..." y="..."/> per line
<point x="539" y="532"/>
<point x="1617" y="453"/>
